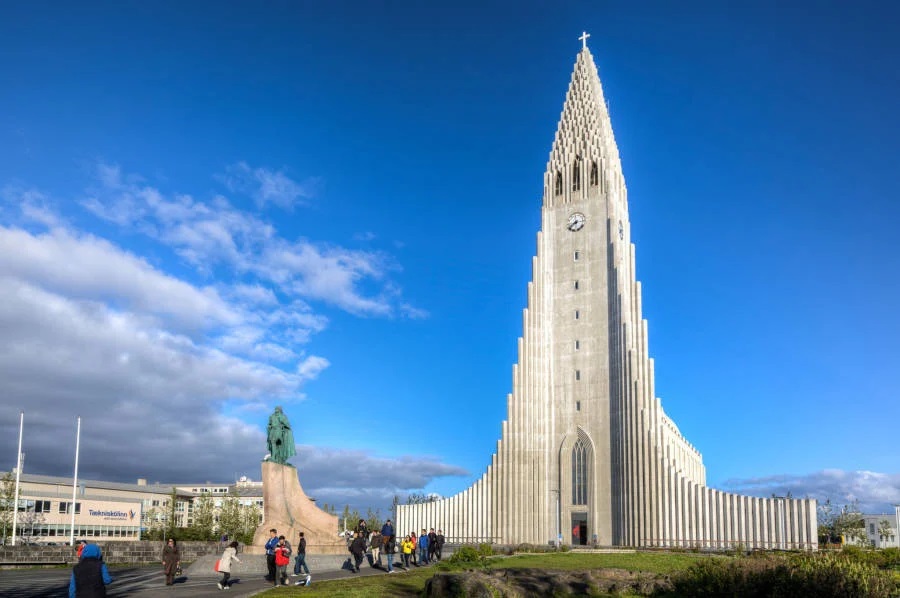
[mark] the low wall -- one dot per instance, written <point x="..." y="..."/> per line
<point x="136" y="553"/>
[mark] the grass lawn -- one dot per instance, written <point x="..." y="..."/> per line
<point x="410" y="584"/>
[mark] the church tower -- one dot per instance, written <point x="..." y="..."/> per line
<point x="587" y="455"/>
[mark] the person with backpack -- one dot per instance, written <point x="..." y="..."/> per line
<point x="376" y="543"/>
<point x="358" y="550"/>
<point x="89" y="575"/>
<point x="390" y="548"/>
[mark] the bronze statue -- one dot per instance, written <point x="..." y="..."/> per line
<point x="281" y="438"/>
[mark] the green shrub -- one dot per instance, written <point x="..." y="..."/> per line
<point x="485" y="549"/>
<point x="823" y="576"/>
<point x="467" y="556"/>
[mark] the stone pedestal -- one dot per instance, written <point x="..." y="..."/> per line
<point x="290" y="511"/>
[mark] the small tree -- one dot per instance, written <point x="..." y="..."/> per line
<point x="373" y="519"/>
<point x="250" y="520"/>
<point x="230" y="517"/>
<point x="7" y="508"/>
<point x="885" y="530"/>
<point x="171" y="515"/>
<point x="204" y="518"/>
<point x="850" y="525"/>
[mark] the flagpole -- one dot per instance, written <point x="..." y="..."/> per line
<point x="75" y="481"/>
<point x="15" y="515"/>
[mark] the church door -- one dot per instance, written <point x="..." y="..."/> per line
<point x="579" y="529"/>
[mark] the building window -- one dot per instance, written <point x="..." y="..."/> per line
<point x="576" y="176"/>
<point x="558" y="188"/>
<point x="42" y="506"/>
<point x="576" y="314"/>
<point x="577" y="345"/>
<point x="579" y="473"/>
<point x="66" y="507"/>
<point x="577" y="405"/>
<point x="576" y="285"/>
<point x="594" y="177"/>
<point x="577" y="255"/>
<point x="578" y="374"/>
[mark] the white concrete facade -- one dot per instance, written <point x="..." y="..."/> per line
<point x="881" y="530"/>
<point x="587" y="454"/>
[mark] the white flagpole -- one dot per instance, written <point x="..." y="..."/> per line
<point x="75" y="482"/>
<point x="18" y="474"/>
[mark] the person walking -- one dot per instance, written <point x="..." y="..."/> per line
<point x="387" y="530"/>
<point x="300" y="563"/>
<point x="432" y="545"/>
<point x="89" y="575"/>
<point x="171" y="559"/>
<point x="229" y="555"/>
<point x="439" y="544"/>
<point x="407" y="547"/>
<point x="282" y="560"/>
<point x="423" y="548"/>
<point x="390" y="548"/>
<point x="412" y="538"/>
<point x="358" y="550"/>
<point x="376" y="543"/>
<point x="271" y="544"/>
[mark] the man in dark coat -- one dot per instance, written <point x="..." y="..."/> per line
<point x="358" y="550"/>
<point x="90" y="575"/>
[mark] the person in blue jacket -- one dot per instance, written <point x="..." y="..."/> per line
<point x="90" y="575"/>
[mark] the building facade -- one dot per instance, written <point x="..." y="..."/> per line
<point x="107" y="511"/>
<point x="882" y="530"/>
<point x="587" y="455"/>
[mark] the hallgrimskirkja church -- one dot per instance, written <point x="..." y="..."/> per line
<point x="587" y="455"/>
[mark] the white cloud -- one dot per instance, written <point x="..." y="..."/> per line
<point x="874" y="491"/>
<point x="312" y="366"/>
<point x="89" y="267"/>
<point x="217" y="234"/>
<point x="268" y="186"/>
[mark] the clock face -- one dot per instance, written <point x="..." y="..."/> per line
<point x="576" y="221"/>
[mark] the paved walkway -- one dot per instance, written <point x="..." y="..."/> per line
<point x="149" y="582"/>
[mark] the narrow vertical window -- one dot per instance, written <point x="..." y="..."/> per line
<point x="577" y="405"/>
<point x="558" y="188"/>
<point x="576" y="285"/>
<point x="578" y="374"/>
<point x="577" y="255"/>
<point x="576" y="176"/>
<point x="579" y="473"/>
<point x="594" y="175"/>
<point x="577" y="345"/>
<point x="576" y="314"/>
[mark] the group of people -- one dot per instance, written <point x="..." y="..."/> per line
<point x="278" y="557"/>
<point x="421" y="550"/>
<point x="90" y="575"/>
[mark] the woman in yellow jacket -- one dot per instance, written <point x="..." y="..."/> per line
<point x="407" y="547"/>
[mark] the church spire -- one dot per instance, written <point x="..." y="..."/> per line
<point x="584" y="152"/>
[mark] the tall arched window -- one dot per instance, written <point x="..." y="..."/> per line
<point x="579" y="473"/>
<point x="558" y="187"/>
<point x="594" y="175"/>
<point x="576" y="176"/>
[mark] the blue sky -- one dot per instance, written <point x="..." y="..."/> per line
<point x="211" y="208"/>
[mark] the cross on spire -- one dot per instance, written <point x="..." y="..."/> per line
<point x="583" y="38"/>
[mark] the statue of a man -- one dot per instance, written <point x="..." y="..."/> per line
<point x="280" y="437"/>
